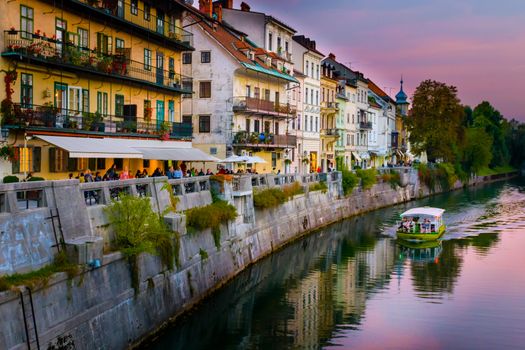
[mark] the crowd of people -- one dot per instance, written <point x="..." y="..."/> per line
<point x="112" y="173"/>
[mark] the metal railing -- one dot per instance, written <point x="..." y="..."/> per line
<point x="365" y="125"/>
<point x="334" y="105"/>
<point x="330" y="132"/>
<point x="48" y="50"/>
<point x="264" y="139"/>
<point x="267" y="107"/>
<point x="122" y="11"/>
<point x="50" y="117"/>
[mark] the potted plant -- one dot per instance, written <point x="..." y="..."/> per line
<point x="164" y="131"/>
<point x="36" y="35"/>
<point x="7" y="153"/>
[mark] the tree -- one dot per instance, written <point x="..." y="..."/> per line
<point x="435" y="121"/>
<point x="477" y="152"/>
<point x="487" y="117"/>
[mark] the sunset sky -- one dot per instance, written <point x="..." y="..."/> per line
<point x="476" y="45"/>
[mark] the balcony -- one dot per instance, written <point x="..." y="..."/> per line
<point x="51" y="53"/>
<point x="48" y="118"/>
<point x="330" y="107"/>
<point x="365" y="125"/>
<point x="118" y="14"/>
<point x="285" y="55"/>
<point x="263" y="107"/>
<point x="330" y="133"/>
<point x="264" y="140"/>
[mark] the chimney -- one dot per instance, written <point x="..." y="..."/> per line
<point x="217" y="11"/>
<point x="205" y="7"/>
<point x="331" y="56"/>
<point x="245" y="7"/>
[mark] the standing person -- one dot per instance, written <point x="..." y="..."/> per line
<point x="88" y="177"/>
<point x="144" y="173"/>
<point x="111" y="173"/>
<point x="157" y="172"/>
<point x="201" y="173"/>
<point x="97" y="176"/>
<point x="183" y="167"/>
<point x="208" y="172"/>
<point x="138" y="174"/>
<point x="124" y="175"/>
<point x="178" y="173"/>
<point x="170" y="173"/>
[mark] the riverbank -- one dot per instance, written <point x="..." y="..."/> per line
<point x="101" y="309"/>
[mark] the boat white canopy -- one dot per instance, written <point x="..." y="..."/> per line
<point x="425" y="211"/>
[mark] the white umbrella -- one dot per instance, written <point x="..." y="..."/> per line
<point x="254" y="160"/>
<point x="233" y="159"/>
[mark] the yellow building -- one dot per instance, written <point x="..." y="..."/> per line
<point x="329" y="111"/>
<point x="96" y="69"/>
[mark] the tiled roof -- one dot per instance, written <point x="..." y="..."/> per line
<point x="235" y="46"/>
<point x="378" y="91"/>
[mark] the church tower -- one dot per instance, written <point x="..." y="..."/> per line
<point x="401" y="101"/>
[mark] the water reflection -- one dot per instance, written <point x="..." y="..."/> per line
<point x="351" y="286"/>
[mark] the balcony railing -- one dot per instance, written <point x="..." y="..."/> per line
<point x="64" y="55"/>
<point x="365" y="125"/>
<point x="56" y="119"/>
<point x="264" y="140"/>
<point x="149" y="25"/>
<point x="330" y="132"/>
<point x="266" y="107"/>
<point x="331" y="105"/>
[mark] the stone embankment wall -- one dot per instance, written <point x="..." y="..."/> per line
<point x="99" y="308"/>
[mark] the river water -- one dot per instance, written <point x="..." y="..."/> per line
<point x="352" y="286"/>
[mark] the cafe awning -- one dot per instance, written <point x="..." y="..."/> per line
<point x="107" y="147"/>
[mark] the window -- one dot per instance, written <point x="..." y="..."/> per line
<point x="306" y="95"/>
<point x="270" y="39"/>
<point x="267" y="127"/>
<point x="205" y="89"/>
<point x="274" y="159"/>
<point x="312" y="98"/>
<point x="83" y="38"/>
<point x="279" y="48"/>
<point x="204" y="123"/>
<point x="317" y="72"/>
<point x="119" y="43"/>
<point x="248" y="90"/>
<point x="26" y="90"/>
<point x="26" y="159"/>
<point x="298" y="122"/>
<point x="256" y="126"/>
<point x="147" y="59"/>
<point x="103" y="44"/>
<point x="305" y="123"/>
<point x="187" y="119"/>
<point x="119" y="105"/>
<point x="276" y="128"/>
<point x="267" y="94"/>
<point x="248" y="124"/>
<point x="147" y="12"/>
<point x="317" y="97"/>
<point x="160" y="22"/>
<point x="147" y="110"/>
<point x="171" y="68"/>
<point x="85" y="100"/>
<point x="257" y="93"/>
<point x="312" y="123"/>
<point x="102" y="103"/>
<point x="286" y="46"/>
<point x="205" y="57"/>
<point x="171" y="111"/>
<point x="312" y="71"/>
<point x="317" y="124"/>
<point x="186" y="58"/>
<point x="134" y="7"/>
<point x="26" y="22"/>
<point x="307" y="67"/>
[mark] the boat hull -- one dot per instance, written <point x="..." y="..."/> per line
<point x="421" y="237"/>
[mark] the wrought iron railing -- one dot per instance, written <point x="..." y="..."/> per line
<point x="252" y="104"/>
<point x="122" y="11"/>
<point x="264" y="139"/>
<point x="365" y="125"/>
<point x="50" y="117"/>
<point x="49" y="50"/>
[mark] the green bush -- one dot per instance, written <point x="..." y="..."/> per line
<point x="210" y="216"/>
<point x="36" y="178"/>
<point x="318" y="186"/>
<point x="138" y="229"/>
<point x="10" y="179"/>
<point x="444" y="174"/>
<point x="393" y="178"/>
<point x="41" y="276"/>
<point x="368" y="177"/>
<point x="292" y="190"/>
<point x="269" y="198"/>
<point x="350" y="181"/>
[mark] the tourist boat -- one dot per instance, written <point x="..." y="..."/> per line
<point x="421" y="224"/>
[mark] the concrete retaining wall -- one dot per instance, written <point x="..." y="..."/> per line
<point x="100" y="309"/>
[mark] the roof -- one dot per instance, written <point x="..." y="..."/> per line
<point x="378" y="91"/>
<point x="281" y="23"/>
<point x="236" y="45"/>
<point x="304" y="41"/>
<point x="424" y="211"/>
<point x="401" y="97"/>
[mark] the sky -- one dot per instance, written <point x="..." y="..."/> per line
<point x="476" y="45"/>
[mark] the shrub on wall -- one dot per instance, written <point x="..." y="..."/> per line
<point x="368" y="177"/>
<point x="319" y="186"/>
<point x="210" y="216"/>
<point x="10" y="179"/>
<point x="292" y="190"/>
<point x="138" y="229"/>
<point x="36" y="178"/>
<point x="350" y="181"/>
<point x="269" y="198"/>
<point x="393" y="178"/>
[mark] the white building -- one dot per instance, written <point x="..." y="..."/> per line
<point x="307" y="61"/>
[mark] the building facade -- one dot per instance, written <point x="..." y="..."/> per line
<point x="93" y="70"/>
<point x="329" y="112"/>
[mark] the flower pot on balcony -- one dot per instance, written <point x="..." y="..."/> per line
<point x="12" y="32"/>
